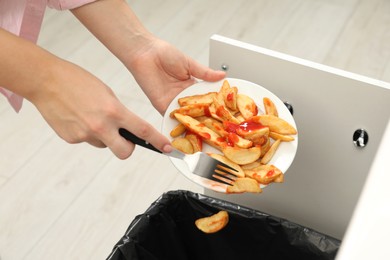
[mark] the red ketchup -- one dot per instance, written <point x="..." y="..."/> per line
<point x="207" y="111"/>
<point x="205" y="135"/>
<point x="229" y="97"/>
<point x="232" y="128"/>
<point x="247" y="126"/>
<point x="270" y="173"/>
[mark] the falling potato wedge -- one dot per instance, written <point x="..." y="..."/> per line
<point x="242" y="156"/>
<point x="183" y="144"/>
<point x="197" y="99"/>
<point x="269" y="106"/>
<point x="246" y="106"/>
<point x="213" y="223"/>
<point x="239" y="172"/>
<point x="245" y="184"/>
<point x="265" y="174"/>
<point x="275" y="124"/>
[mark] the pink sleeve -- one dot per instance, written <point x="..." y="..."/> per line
<point x="67" y="4"/>
<point x="24" y="18"/>
<point x="15" y="100"/>
<point x="21" y="18"/>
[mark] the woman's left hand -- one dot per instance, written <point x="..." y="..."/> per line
<point x="163" y="71"/>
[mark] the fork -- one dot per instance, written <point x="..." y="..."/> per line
<point x="198" y="163"/>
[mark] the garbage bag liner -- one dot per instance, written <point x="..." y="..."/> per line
<point x="167" y="231"/>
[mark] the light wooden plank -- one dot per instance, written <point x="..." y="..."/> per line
<point x="61" y="33"/>
<point x="156" y="14"/>
<point x="363" y="46"/>
<point x="22" y="135"/>
<point x="3" y="180"/>
<point x="34" y="187"/>
<point x="260" y="22"/>
<point x="4" y="105"/>
<point x="33" y="199"/>
<point x="386" y="72"/>
<point x="191" y="28"/>
<point x="313" y="28"/>
<point x="119" y="192"/>
<point x="178" y="182"/>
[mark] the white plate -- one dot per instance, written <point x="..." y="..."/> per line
<point x="282" y="158"/>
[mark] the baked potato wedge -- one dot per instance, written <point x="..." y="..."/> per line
<point x="197" y="99"/>
<point x="213" y="223"/>
<point x="246" y="106"/>
<point x="242" y="156"/>
<point x="178" y="130"/>
<point x="193" y="110"/>
<point x="195" y="140"/>
<point x="183" y="144"/>
<point x="269" y="106"/>
<point x="208" y="135"/>
<point x="270" y="153"/>
<point x="275" y="124"/>
<point x="245" y="184"/>
<point x="264" y="174"/>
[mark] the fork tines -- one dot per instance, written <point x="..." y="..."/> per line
<point x="224" y="174"/>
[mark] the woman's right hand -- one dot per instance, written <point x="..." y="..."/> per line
<point x="76" y="104"/>
<point x="81" y="108"/>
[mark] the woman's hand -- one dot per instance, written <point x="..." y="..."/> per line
<point x="81" y="108"/>
<point x="162" y="71"/>
<point x="76" y="104"/>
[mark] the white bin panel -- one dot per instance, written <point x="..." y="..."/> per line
<point x="323" y="184"/>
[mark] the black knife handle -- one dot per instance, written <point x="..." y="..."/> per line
<point x="136" y="140"/>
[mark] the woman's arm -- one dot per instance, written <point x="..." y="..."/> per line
<point x="77" y="105"/>
<point x="23" y="65"/>
<point x="161" y="70"/>
<point x="116" y="26"/>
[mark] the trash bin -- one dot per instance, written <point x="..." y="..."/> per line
<point x="167" y="231"/>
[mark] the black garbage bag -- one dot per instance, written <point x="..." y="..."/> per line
<point x="167" y="231"/>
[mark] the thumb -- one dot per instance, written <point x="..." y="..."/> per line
<point x="202" y="72"/>
<point x="120" y="147"/>
<point x="123" y="148"/>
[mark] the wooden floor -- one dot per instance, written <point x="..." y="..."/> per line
<point x="61" y="201"/>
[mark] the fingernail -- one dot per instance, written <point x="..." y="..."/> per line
<point x="167" y="148"/>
